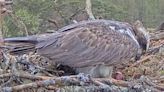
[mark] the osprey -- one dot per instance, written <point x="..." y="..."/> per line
<point x="87" y="43"/>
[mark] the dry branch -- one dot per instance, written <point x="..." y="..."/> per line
<point x="113" y="81"/>
<point x="157" y="35"/>
<point x="29" y="85"/>
<point x="24" y="75"/>
<point x="160" y="27"/>
<point x="155" y="49"/>
<point x="142" y="60"/>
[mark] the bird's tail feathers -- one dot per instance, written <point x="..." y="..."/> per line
<point x="20" y="45"/>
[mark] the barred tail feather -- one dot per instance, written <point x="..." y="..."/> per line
<point x="20" y="45"/>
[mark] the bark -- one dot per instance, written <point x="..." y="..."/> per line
<point x="89" y="9"/>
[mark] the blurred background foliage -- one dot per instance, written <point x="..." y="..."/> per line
<point x="40" y="16"/>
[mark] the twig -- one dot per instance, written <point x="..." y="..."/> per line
<point x="24" y="75"/>
<point x="45" y="70"/>
<point x="113" y="81"/>
<point x="5" y="75"/>
<point x="150" y="83"/>
<point x="142" y="60"/>
<point x="160" y="27"/>
<point x="52" y="88"/>
<point x="155" y="49"/>
<point x="30" y="85"/>
<point x="54" y="22"/>
<point x="7" y="83"/>
<point x="157" y="35"/>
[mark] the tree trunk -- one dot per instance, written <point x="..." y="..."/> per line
<point x="89" y="9"/>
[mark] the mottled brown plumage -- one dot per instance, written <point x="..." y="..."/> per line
<point x="84" y="44"/>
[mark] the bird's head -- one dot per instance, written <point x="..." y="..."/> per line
<point x="142" y="35"/>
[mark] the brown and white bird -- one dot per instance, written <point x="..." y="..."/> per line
<point x="88" y="46"/>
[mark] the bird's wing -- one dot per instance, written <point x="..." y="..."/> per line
<point x="89" y="45"/>
<point x="117" y="24"/>
<point x="122" y="27"/>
